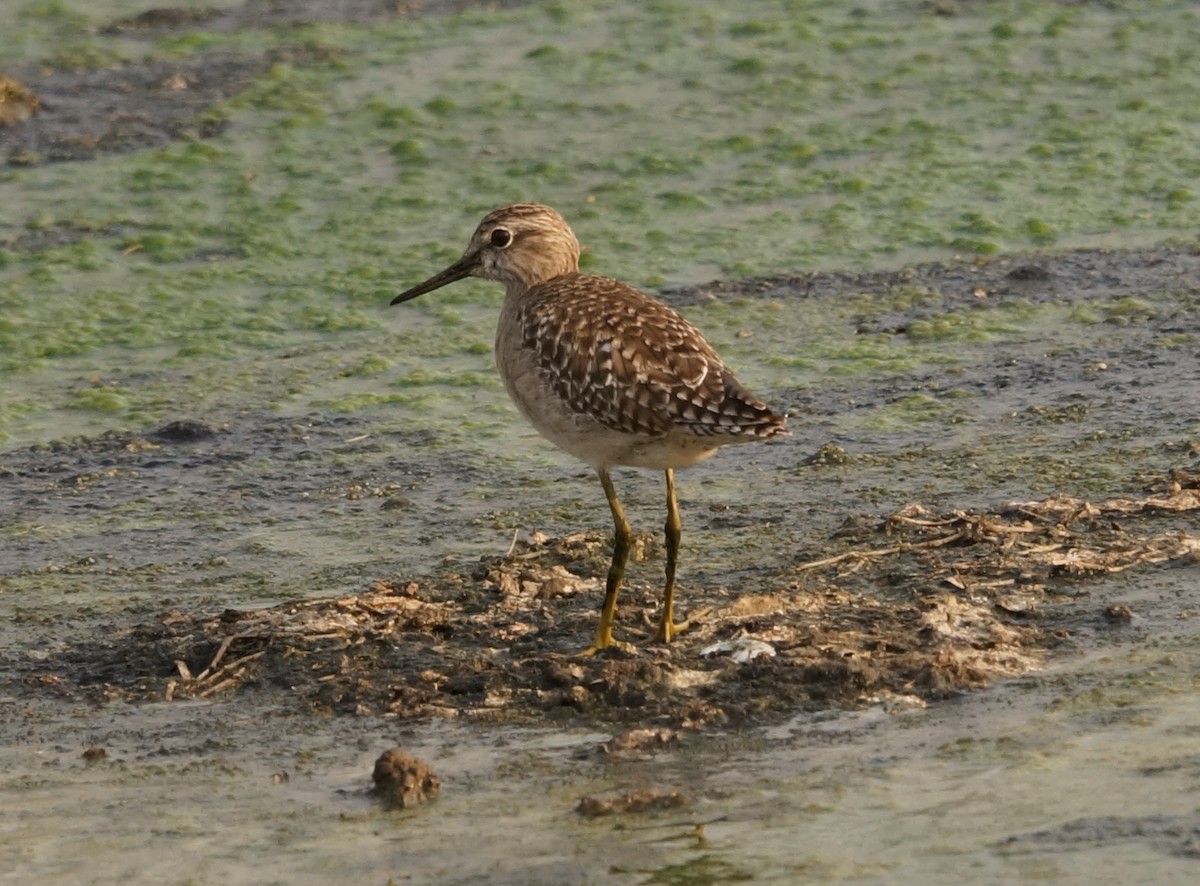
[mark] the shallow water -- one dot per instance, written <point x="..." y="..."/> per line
<point x="1087" y="773"/>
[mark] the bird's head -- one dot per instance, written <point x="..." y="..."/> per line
<point x="520" y="246"/>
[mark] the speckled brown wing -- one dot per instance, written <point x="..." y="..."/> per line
<point x="634" y="364"/>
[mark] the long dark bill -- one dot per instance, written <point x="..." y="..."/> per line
<point x="457" y="271"/>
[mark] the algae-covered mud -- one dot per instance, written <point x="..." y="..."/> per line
<point x="256" y="528"/>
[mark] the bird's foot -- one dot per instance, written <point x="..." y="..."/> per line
<point x="606" y="640"/>
<point x="627" y="648"/>
<point x="669" y="628"/>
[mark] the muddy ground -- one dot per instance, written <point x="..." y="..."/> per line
<point x="900" y="606"/>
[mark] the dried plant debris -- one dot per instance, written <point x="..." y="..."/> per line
<point x="1029" y="542"/>
<point x="913" y="607"/>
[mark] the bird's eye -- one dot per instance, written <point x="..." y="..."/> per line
<point x="501" y="238"/>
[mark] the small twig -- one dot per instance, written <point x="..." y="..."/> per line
<point x="224" y="647"/>
<point x="224" y="684"/>
<point x="233" y="664"/>
<point x="850" y="555"/>
<point x="938" y="542"/>
<point x="912" y="521"/>
<point x="995" y="583"/>
<point x="882" y="552"/>
<point x="1040" y="549"/>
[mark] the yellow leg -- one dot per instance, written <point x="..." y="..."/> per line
<point x="622" y="542"/>
<point x="673" y="532"/>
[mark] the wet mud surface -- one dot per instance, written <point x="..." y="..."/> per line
<point x="477" y="644"/>
<point x="269" y="13"/>
<point x="1177" y="835"/>
<point x="909" y="604"/>
<point x="81" y="112"/>
<point x="88" y="113"/>
<point x="920" y="607"/>
<point x="1014" y="391"/>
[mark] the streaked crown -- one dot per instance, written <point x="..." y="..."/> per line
<point x="523" y="245"/>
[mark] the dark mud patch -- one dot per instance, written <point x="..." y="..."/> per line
<point x="1174" y="834"/>
<point x="89" y="113"/>
<point x="1094" y="386"/>
<point x="1080" y="276"/>
<point x="916" y="608"/>
<point x="271" y="13"/>
<point x="83" y="113"/>
<point x="192" y="486"/>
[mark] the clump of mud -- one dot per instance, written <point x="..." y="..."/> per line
<point x="916" y="607"/>
<point x="642" y="800"/>
<point x="401" y="780"/>
<point x="17" y="101"/>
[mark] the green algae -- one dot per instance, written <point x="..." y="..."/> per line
<point x="893" y="134"/>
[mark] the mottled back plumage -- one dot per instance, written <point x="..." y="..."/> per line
<point x="634" y="364"/>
